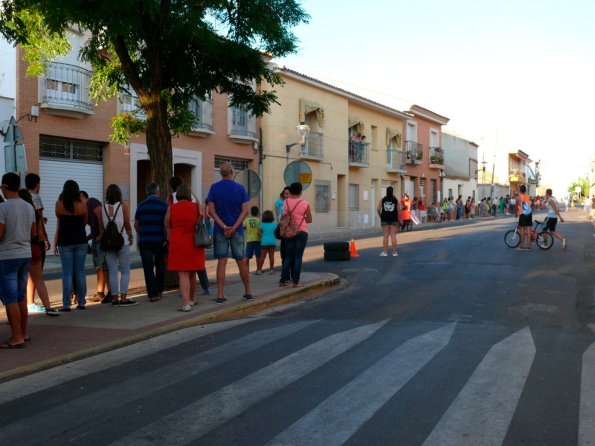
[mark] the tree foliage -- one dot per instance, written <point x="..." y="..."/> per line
<point x="168" y="51"/>
<point x="581" y="182"/>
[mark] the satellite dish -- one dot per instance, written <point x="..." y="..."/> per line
<point x="250" y="180"/>
<point x="298" y="171"/>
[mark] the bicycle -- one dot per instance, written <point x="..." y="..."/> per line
<point x="543" y="239"/>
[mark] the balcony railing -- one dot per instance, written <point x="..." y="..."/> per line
<point x="414" y="151"/>
<point x="314" y="146"/>
<point x="66" y="86"/>
<point x="358" y="153"/>
<point x="436" y="157"/>
<point x="396" y="160"/>
<point x="203" y="112"/>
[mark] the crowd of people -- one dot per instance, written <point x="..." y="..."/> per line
<point x="166" y="231"/>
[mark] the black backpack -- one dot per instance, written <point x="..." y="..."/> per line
<point x="111" y="239"/>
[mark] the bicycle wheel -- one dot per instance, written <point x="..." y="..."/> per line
<point x="544" y="240"/>
<point x="512" y="238"/>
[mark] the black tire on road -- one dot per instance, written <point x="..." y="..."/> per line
<point x="336" y="247"/>
<point x="544" y="240"/>
<point x="333" y="256"/>
<point x="512" y="238"/>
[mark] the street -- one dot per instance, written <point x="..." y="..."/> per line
<point x="459" y="340"/>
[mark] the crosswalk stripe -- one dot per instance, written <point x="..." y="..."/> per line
<point x="483" y="409"/>
<point x="185" y="425"/>
<point x="91" y="405"/>
<point x="55" y="376"/>
<point x="336" y="419"/>
<point x="586" y="430"/>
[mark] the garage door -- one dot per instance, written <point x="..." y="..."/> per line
<point x="89" y="177"/>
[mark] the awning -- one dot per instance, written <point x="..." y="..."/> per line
<point x="357" y="123"/>
<point x="393" y="134"/>
<point x="307" y="107"/>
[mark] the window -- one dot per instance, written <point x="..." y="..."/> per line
<point x="70" y="149"/>
<point x="237" y="164"/>
<point x="449" y="193"/>
<point x="354" y="197"/>
<point x="323" y="196"/>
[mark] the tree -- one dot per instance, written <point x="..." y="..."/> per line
<point x="583" y="184"/>
<point x="168" y="51"/>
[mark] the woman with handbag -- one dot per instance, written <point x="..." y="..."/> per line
<point x="298" y="210"/>
<point x="184" y="256"/>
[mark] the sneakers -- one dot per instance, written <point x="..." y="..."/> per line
<point x="206" y="292"/>
<point x="128" y="303"/>
<point x="108" y="299"/>
<point x="395" y="254"/>
<point x="154" y="299"/>
<point x="33" y="308"/>
<point x="65" y="310"/>
<point x="564" y="244"/>
<point x="51" y="312"/>
<point x="258" y="272"/>
<point x="80" y="307"/>
<point x="115" y="302"/>
<point x="247" y="297"/>
<point x="220" y="300"/>
<point x="383" y="254"/>
<point x="185" y="308"/>
<point x="272" y="271"/>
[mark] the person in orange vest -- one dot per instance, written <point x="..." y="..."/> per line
<point x="405" y="209"/>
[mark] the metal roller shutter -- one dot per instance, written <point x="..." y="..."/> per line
<point x="89" y="177"/>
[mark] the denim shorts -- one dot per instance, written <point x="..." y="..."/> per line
<point x="13" y="280"/>
<point x="99" y="261"/>
<point x="222" y="244"/>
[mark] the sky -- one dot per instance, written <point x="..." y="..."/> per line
<point x="510" y="75"/>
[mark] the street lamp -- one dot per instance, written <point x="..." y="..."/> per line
<point x="303" y="131"/>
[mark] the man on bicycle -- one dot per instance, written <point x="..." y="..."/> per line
<point x="525" y="217"/>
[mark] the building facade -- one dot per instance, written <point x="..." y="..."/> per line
<point x="461" y="167"/>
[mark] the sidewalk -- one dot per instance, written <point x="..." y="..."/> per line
<point x="101" y="327"/>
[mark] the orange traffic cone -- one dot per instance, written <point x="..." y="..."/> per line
<point x="353" y="249"/>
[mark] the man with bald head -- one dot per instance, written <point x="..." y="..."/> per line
<point x="228" y="205"/>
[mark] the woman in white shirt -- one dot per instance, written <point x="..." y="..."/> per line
<point x="553" y="211"/>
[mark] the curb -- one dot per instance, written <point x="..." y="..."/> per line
<point x="273" y="299"/>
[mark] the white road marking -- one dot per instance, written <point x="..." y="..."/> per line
<point x="189" y="423"/>
<point x="336" y="419"/>
<point x="481" y="413"/>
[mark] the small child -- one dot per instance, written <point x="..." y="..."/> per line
<point x="252" y="228"/>
<point x="268" y="241"/>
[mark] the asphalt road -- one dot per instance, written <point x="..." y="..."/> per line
<point x="458" y="341"/>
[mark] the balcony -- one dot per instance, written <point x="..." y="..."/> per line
<point x="314" y="146"/>
<point x="203" y="112"/>
<point x="358" y="154"/>
<point x="396" y="161"/>
<point x="414" y="152"/>
<point x="242" y="126"/>
<point x="64" y="91"/>
<point x="517" y="176"/>
<point x="436" y="158"/>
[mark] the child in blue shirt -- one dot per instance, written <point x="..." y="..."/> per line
<point x="268" y="242"/>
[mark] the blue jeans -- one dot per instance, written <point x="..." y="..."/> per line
<point x="72" y="258"/>
<point x="118" y="261"/>
<point x="292" y="263"/>
<point x="152" y="255"/>
<point x="13" y="279"/>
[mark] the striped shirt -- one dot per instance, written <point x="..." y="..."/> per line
<point x="150" y="215"/>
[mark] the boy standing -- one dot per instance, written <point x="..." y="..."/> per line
<point x="252" y="228"/>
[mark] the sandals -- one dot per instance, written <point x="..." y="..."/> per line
<point x="7" y="345"/>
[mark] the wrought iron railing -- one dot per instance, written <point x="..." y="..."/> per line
<point x="203" y="112"/>
<point x="314" y="145"/>
<point x="242" y="124"/>
<point x="396" y="160"/>
<point x="414" y="151"/>
<point x="358" y="152"/>
<point x="66" y="85"/>
<point x="436" y="155"/>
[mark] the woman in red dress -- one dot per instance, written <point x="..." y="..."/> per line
<point x="184" y="257"/>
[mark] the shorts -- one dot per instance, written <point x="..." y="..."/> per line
<point x="423" y="214"/>
<point x="252" y="249"/>
<point x="550" y="224"/>
<point x="99" y="261"/>
<point x="389" y="223"/>
<point x="526" y="220"/>
<point x="221" y="246"/>
<point x="13" y="280"/>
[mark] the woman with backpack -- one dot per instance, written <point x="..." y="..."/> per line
<point x="115" y="221"/>
<point x="70" y="241"/>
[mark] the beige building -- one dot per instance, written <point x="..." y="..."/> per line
<point x="355" y="149"/>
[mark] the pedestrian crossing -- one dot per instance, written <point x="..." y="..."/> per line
<point x="188" y="399"/>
